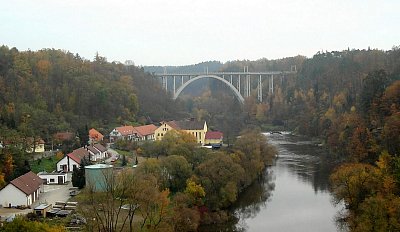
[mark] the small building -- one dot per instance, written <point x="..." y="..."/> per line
<point x="98" y="176"/>
<point x="122" y="132"/>
<point x="144" y="133"/>
<point x="22" y="191"/>
<point x="102" y="150"/>
<point x="53" y="177"/>
<point x="97" y="152"/>
<point x="214" y="138"/>
<point x="72" y="160"/>
<point x="42" y="209"/>
<point x="196" y="128"/>
<point x="34" y="145"/>
<point x="95" y="136"/>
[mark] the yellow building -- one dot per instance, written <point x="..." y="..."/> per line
<point x="196" y="128"/>
<point x="38" y="145"/>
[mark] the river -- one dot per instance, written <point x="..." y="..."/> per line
<point x="293" y="194"/>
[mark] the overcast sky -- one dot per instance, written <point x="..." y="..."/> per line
<point x="178" y="32"/>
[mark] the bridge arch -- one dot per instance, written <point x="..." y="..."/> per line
<point x="235" y="91"/>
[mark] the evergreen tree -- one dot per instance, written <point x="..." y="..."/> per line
<point x="124" y="162"/>
<point x="78" y="174"/>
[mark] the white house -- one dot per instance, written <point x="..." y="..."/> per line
<point x="102" y="150"/>
<point x="21" y="191"/>
<point x="97" y="152"/>
<point x="53" y="178"/>
<point x="122" y="132"/>
<point x="72" y="160"/>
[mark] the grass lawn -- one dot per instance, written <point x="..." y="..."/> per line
<point x="44" y="164"/>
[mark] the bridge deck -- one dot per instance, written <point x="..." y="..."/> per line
<point x="224" y="73"/>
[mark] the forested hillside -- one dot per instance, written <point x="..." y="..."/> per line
<point x="212" y="66"/>
<point x="66" y="91"/>
<point x="348" y="99"/>
<point x="49" y="91"/>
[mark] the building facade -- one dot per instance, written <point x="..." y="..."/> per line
<point x="196" y="128"/>
<point x="22" y="191"/>
<point x="214" y="137"/>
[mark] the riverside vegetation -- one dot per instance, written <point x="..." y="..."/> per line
<point x="179" y="191"/>
<point x="348" y="99"/>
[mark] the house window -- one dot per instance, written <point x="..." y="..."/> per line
<point x="74" y="166"/>
<point x="51" y="180"/>
<point x="158" y="134"/>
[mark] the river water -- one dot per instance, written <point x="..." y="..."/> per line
<point x="293" y="194"/>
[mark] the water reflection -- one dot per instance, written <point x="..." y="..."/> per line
<point x="256" y="196"/>
<point x="305" y="159"/>
<point x="293" y="195"/>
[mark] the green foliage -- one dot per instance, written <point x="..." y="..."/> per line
<point x="124" y="162"/>
<point x="78" y="174"/>
<point x="44" y="164"/>
<point x="221" y="178"/>
<point x="176" y="170"/>
<point x="125" y="145"/>
<point x="23" y="225"/>
<point x="374" y="86"/>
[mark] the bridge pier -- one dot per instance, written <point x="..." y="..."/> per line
<point x="239" y="84"/>
<point x="271" y="84"/>
<point x="174" y="85"/>
<point x="259" y="90"/>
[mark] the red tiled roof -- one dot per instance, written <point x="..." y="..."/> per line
<point x="125" y="130"/>
<point x="145" y="130"/>
<point x="78" y="154"/>
<point x="95" y="135"/>
<point x="27" y="183"/>
<point x="62" y="136"/>
<point x="214" y="135"/>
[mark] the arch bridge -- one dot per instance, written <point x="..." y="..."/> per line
<point x="241" y="83"/>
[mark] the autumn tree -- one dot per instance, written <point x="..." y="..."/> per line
<point x="176" y="171"/>
<point x="221" y="178"/>
<point x="353" y="183"/>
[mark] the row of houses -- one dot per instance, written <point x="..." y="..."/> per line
<point x="198" y="129"/>
<point x="25" y="189"/>
<point x="94" y="153"/>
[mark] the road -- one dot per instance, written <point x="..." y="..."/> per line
<point x="53" y="193"/>
<point x="114" y="155"/>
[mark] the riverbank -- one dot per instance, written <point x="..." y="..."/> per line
<point x="291" y="195"/>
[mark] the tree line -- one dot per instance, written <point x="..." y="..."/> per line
<point x="184" y="188"/>
<point x="350" y="100"/>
